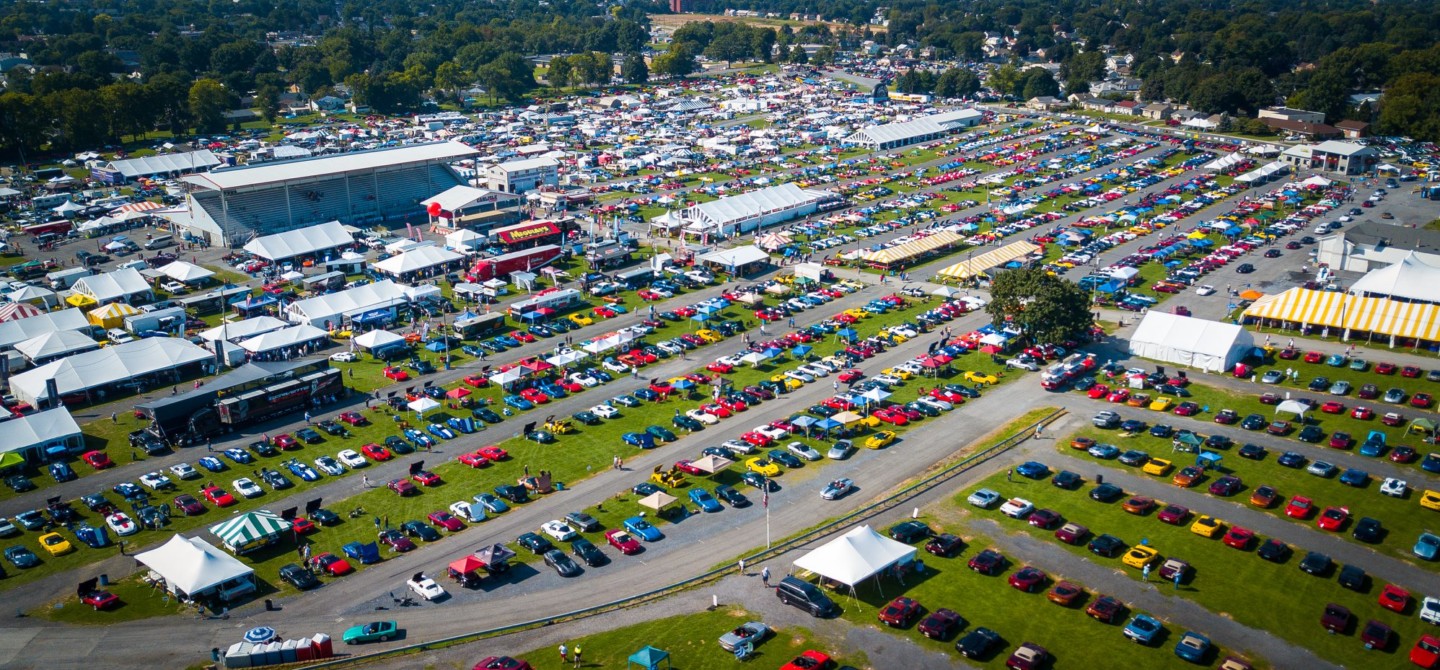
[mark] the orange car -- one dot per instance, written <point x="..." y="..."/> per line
<point x="1138" y="505"/>
<point x="1188" y="476"/>
<point x="1264" y="497"/>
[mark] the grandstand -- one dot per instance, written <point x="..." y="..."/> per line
<point x="233" y="205"/>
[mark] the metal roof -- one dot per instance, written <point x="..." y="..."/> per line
<point x="190" y="161"/>
<point x="755" y="203"/>
<point x="355" y="161"/>
<point x="925" y="125"/>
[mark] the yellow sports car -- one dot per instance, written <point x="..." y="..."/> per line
<point x="980" y="377"/>
<point x="762" y="466"/>
<point x="897" y="338"/>
<point x="792" y="383"/>
<point x="858" y="313"/>
<point x="580" y="320"/>
<point x="1162" y="404"/>
<point x="56" y="544"/>
<point x="1207" y="526"/>
<point x="897" y="372"/>
<point x="708" y="335"/>
<point x="1158" y="467"/>
<point x="1140" y="556"/>
<point x="880" y="439"/>
<point x="1430" y="500"/>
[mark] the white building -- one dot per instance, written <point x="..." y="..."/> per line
<point x="1333" y="156"/>
<point x="923" y="129"/>
<point x="1191" y="342"/>
<point x="523" y="175"/>
<point x="1371" y="246"/>
<point x="330" y="310"/>
<point x="745" y="212"/>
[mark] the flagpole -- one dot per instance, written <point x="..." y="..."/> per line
<point x="765" y="501"/>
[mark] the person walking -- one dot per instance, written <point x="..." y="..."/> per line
<point x="765" y="575"/>
<point x="564" y="653"/>
<point x="577" y="655"/>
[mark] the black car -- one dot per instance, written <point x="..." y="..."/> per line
<point x="1315" y="563"/>
<point x="32" y="520"/>
<point x="1245" y="269"/>
<point x="759" y="481"/>
<point x="515" y="494"/>
<point x="1161" y="431"/>
<point x="1106" y="493"/>
<point x="586" y="418"/>
<point x="399" y="445"/>
<point x="1132" y="426"/>
<point x="822" y="410"/>
<point x="910" y="532"/>
<point x="1067" y="480"/>
<point x="1254" y="422"/>
<point x="332" y="427"/>
<point x="645" y="488"/>
<point x="308" y="436"/>
<point x="19" y="483"/>
<point x="535" y="543"/>
<point x="1274" y="550"/>
<point x="486" y="414"/>
<point x="299" y="577"/>
<point x="324" y="517"/>
<point x="1134" y="458"/>
<point x="1253" y="452"/>
<point x="421" y="530"/>
<point x="586" y="550"/>
<point x="1311" y="434"/>
<point x="978" y="643"/>
<point x="421" y="366"/>
<point x="1368" y="530"/>
<point x="1218" y="442"/>
<point x="1352" y="577"/>
<point x="1319" y="384"/>
<point x="562" y="563"/>
<point x="785" y="458"/>
<point x="582" y="522"/>
<point x="687" y="423"/>
<point x="1291" y="459"/>
<point x="276" y="480"/>
<point x="62" y="472"/>
<point x="963" y="390"/>
<point x="95" y="502"/>
<point x="1107" y="545"/>
<point x="731" y="496"/>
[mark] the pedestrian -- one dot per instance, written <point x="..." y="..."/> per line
<point x="765" y="575"/>
<point x="836" y="384"/>
<point x="1038" y="429"/>
<point x="114" y="417"/>
<point x="742" y="566"/>
<point x="1009" y="475"/>
<point x="577" y="655"/>
<point x="564" y="653"/>
<point x="365" y="481"/>
<point x="527" y="470"/>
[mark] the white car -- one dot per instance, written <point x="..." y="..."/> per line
<point x="1023" y="365"/>
<point x="1430" y="610"/>
<point x="155" y="481"/>
<point x="738" y="447"/>
<point x="1205" y="289"/>
<point x="247" y="488"/>
<point x="330" y="466"/>
<point x="184" y="471"/>
<point x="733" y="360"/>
<point x="351" y="459"/>
<point x="814" y="370"/>
<point x="1017" y="508"/>
<point x="669" y="347"/>
<point x="425" y="587"/>
<point x="559" y="530"/>
<point x="605" y="411"/>
<point x="797" y="374"/>
<point x="121" y="524"/>
<point x="703" y="417"/>
<point x="345" y="357"/>
<point x="803" y="450"/>
<point x="942" y="405"/>
<point x="616" y="367"/>
<point x="1394" y="487"/>
<point x="467" y="511"/>
<point x="984" y="498"/>
<point x="888" y="380"/>
<point x="827" y="364"/>
<point x="584" y="380"/>
<point x="772" y="432"/>
<point x="904" y="331"/>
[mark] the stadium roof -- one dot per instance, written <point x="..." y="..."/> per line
<point x="735" y="208"/>
<point x="190" y="161"/>
<point x="905" y="130"/>
<point x="309" y="168"/>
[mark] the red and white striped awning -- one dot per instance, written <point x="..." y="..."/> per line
<point x="142" y="206"/>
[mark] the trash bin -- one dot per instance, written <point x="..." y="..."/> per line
<point x="269" y="606"/>
<point x="1099" y="479"/>
<point x="104" y="580"/>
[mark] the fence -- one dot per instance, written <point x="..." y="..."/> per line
<point x="887" y="503"/>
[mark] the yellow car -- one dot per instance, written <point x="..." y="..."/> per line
<point x="880" y="439"/>
<point x="1140" y="556"/>
<point x="791" y="383"/>
<point x="1430" y="500"/>
<point x="1162" y="404"/>
<point x="897" y="372"/>
<point x="580" y="319"/>
<point x="870" y="422"/>
<point x="980" y="377"/>
<point x="708" y="335"/>
<point x="560" y="426"/>
<point x="895" y="337"/>
<point x="762" y="466"/>
<point x="1158" y="467"/>
<point x="56" y="544"/>
<point x="1207" y="526"/>
<point x="858" y="313"/>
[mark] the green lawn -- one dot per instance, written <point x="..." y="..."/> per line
<point x="1278" y="598"/>
<point x="138" y="600"/>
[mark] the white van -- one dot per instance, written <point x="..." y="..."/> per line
<point x="159" y="242"/>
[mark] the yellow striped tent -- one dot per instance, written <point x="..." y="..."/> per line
<point x="913" y="249"/>
<point x="990" y="259"/>
<point x="1342" y="311"/>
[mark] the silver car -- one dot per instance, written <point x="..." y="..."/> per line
<point x="1340" y="387"/>
<point x="841" y="451"/>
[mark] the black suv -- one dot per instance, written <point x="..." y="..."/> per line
<point x="805" y="596"/>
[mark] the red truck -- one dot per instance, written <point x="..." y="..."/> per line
<point x="524" y="260"/>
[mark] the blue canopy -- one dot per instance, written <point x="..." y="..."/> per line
<point x="827" y="423"/>
<point x="263" y="300"/>
<point x="700" y="316"/>
<point x="772" y="352"/>
<point x="684" y="384"/>
<point x="803" y="421"/>
<point x="846" y="332"/>
<point x="649" y="658"/>
<point x="374" y="316"/>
<point x="801" y="350"/>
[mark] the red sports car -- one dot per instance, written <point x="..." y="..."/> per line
<point x="332" y="564"/>
<point x="716" y="410"/>
<point x="302" y="526"/>
<point x="687" y="467"/>
<point x="1098" y="391"/>
<point x="1410" y="372"/>
<point x="188" y="504"/>
<point x="1385" y="368"/>
<point x="474" y="459"/>
<point x="523" y="336"/>
<point x="1333" y="518"/>
<point x="1299" y="507"/>
<point x="97" y="460"/>
<point x="476" y="380"/>
<point x="836" y="402"/>
<point x="891" y="415"/>
<point x="100" y="600"/>
<point x="1118" y="395"/>
<point x="623" y="541"/>
<point x="1186" y="408"/>
<point x="376" y="452"/>
<point x="1403" y="454"/>
<point x="900" y="612"/>
<point x="850" y="375"/>
<point x="1174" y="514"/>
<point x="810" y="660"/>
<point x="426" y="478"/>
<point x="1239" y="538"/>
<point x="218" y="496"/>
<point x="604" y="312"/>
<point x="947" y="395"/>
<point x="722" y="368"/>
<point x="1028" y="579"/>
<point x="1394" y="598"/>
<point x="1421" y="400"/>
<point x="285" y="441"/>
<point x="403" y="487"/>
<point x="760" y="440"/>
<point x="534" y="396"/>
<point x="494" y="453"/>
<point x="1362" y="413"/>
<point x="1314" y="357"/>
<point x="732" y="404"/>
<point x="354" y="418"/>
<point x="446" y="520"/>
<point x="395" y="374"/>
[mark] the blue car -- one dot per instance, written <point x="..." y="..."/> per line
<point x="472" y="350"/>
<point x="239" y="455"/>
<point x="1355" y="477"/>
<point x="491" y="503"/>
<point x="441" y="431"/>
<point x="301" y="470"/>
<point x="1192" y="647"/>
<point x="642" y="529"/>
<point x="507" y="341"/>
<point x="1336" y="360"/>
<point x="706" y="501"/>
<point x="463" y="425"/>
<point x="1426" y="547"/>
<point x="1105" y="451"/>
<point x="420" y="439"/>
<point x="1372" y="448"/>
<point x="1143" y="629"/>
<point x="642" y="440"/>
<point x="647" y="394"/>
<point x="1033" y="469"/>
<point x="62" y="472"/>
<point x="518" y="403"/>
<point x="553" y="391"/>
<point x="1431" y="463"/>
<point x="212" y="464"/>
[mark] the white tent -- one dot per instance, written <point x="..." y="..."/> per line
<point x="300" y="242"/>
<point x="377" y="338"/>
<point x="422" y="405"/>
<point x="43" y="348"/>
<point x="279" y="339"/>
<point x="464" y="240"/>
<point x="193" y="567"/>
<point x="114" y="364"/>
<point x="417" y="259"/>
<point x="855" y="556"/>
<point x="1411" y="278"/>
<point x="1183" y="340"/>
<point x="35" y="295"/>
<point x="240" y="330"/>
<point x="1295" y="407"/>
<point x="185" y="273"/>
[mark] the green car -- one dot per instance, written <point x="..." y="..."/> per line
<point x="661" y="433"/>
<point x="371" y="632"/>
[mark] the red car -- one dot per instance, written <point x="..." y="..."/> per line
<point x="332" y="564"/>
<point x="376" y="452"/>
<point x="697" y="377"/>
<point x="1333" y="407"/>
<point x="850" y="375"/>
<point x="1421" y="400"/>
<point x="396" y="540"/>
<point x="1394" y="598"/>
<point x="474" y="459"/>
<point x="1028" y="579"/>
<point x="1098" y="391"/>
<point x="687" y="467"/>
<point x="939" y="624"/>
<point x="477" y="381"/>
<point x="686" y="311"/>
<point x="1227" y="417"/>
<point x="1392" y="419"/>
<point x="1403" y="454"/>
<point x="395" y="374"/>
<point x="188" y="504"/>
<point x="1174" y="514"/>
<point x="760" y="440"/>
<point x="604" y="312"/>
<point x="426" y="478"/>
<point x="523" y="336"/>
<point x="534" y="396"/>
<point x="716" y="410"/>
<point x="1341" y="440"/>
<point x="836" y="402"/>
<point x="285" y="441"/>
<point x="354" y="418"/>
<point x="722" y="368"/>
<point x="1385" y="368"/>
<point x="733" y="404"/>
<point x="1362" y="413"/>
<point x="1410" y="372"/>
<point x="947" y="395"/>
<point x="446" y="520"/>
<point x="302" y="526"/>
<point x="623" y="541"/>
<point x="900" y="612"/>
<point x="97" y="460"/>
<point x="1299" y="507"/>
<point x="1314" y="357"/>
<point x="810" y="660"/>
<point x="493" y="453"/>
<point x="1118" y="395"/>
<point x="100" y="600"/>
<point x="218" y="496"/>
<point x="1239" y="538"/>
<point x="1186" y="408"/>
<point x="891" y="415"/>
<point x="403" y="487"/>
<point x="1333" y="518"/>
<point x="1426" y="652"/>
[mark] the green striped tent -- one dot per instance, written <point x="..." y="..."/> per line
<point x="250" y="530"/>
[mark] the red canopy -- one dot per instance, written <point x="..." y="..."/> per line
<point x="457" y="392"/>
<point x="467" y="564"/>
<point x="990" y="349"/>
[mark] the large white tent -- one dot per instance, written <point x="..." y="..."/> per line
<point x="95" y="369"/>
<point x="44" y="348"/>
<point x="186" y="273"/>
<point x="1410" y="279"/>
<point x="300" y="242"/>
<point x="376" y="339"/>
<point x="333" y="307"/>
<point x="417" y="259"/>
<point x="20" y="330"/>
<point x="855" y="556"/>
<point x="294" y="336"/>
<point x="192" y="567"/>
<point x="32" y="435"/>
<point x="240" y="330"/>
<point x="1197" y="343"/>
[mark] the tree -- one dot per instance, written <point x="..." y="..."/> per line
<point x="1004" y="80"/>
<point x="823" y="56"/>
<point x="267" y="98"/>
<point x="1044" y="308"/>
<point x="451" y="77"/>
<point x="1036" y="82"/>
<point x="798" y="55"/>
<point x="208" y="101"/>
<point x="634" y="70"/>
<point x="957" y="83"/>
<point x="729" y="47"/>
<point x="679" y="61"/>
<point x="560" y="71"/>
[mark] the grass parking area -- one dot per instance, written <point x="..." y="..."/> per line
<point x="138" y="600"/>
<point x="1275" y="597"/>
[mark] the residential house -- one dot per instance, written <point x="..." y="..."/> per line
<point x="1312" y="131"/>
<point x="1157" y="111"/>
<point x="1352" y="129"/>
<point x="1289" y="114"/>
<point x="1046" y="103"/>
<point x="1128" y="107"/>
